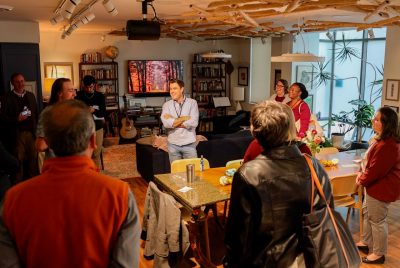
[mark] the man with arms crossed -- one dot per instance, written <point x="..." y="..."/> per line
<point x="70" y="215"/>
<point x="180" y="117"/>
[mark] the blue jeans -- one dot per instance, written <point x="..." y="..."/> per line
<point x="176" y="152"/>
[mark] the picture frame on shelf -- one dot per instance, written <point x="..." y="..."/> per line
<point x="243" y="76"/>
<point x="59" y="70"/>
<point x="305" y="75"/>
<point x="394" y="108"/>
<point x="392" y="89"/>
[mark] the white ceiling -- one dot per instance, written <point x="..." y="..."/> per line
<point x="220" y="23"/>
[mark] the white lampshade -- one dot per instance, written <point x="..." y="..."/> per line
<point x="238" y="94"/>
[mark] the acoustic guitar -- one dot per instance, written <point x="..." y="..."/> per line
<point x="128" y="130"/>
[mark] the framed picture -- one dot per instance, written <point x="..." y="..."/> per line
<point x="310" y="101"/>
<point x="59" y="70"/>
<point x="392" y="90"/>
<point x="31" y="87"/>
<point x="394" y="108"/>
<point x="243" y="76"/>
<point x="305" y="75"/>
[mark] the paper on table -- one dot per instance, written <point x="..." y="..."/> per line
<point x="185" y="189"/>
<point x="350" y="165"/>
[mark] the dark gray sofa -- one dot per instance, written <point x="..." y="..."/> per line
<point x="218" y="150"/>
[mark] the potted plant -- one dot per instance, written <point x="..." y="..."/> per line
<point x="360" y="116"/>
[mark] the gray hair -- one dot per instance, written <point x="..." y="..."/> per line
<point x="68" y="126"/>
<point x="272" y="124"/>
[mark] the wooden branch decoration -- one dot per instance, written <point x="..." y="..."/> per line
<point x="380" y="8"/>
<point x="293" y="5"/>
<point x="378" y="23"/>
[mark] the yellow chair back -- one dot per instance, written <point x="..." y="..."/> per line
<point x="180" y="165"/>
<point x="343" y="185"/>
<point x="234" y="164"/>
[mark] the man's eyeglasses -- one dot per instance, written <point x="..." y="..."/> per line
<point x="277" y="85"/>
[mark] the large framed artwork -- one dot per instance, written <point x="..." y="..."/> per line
<point x="392" y="89"/>
<point x="59" y="70"/>
<point x="305" y="75"/>
<point x="243" y="76"/>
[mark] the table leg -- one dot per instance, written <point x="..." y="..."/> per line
<point x="195" y="244"/>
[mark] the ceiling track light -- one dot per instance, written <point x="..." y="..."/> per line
<point x="56" y="19"/>
<point x="109" y="6"/>
<point x="87" y="18"/>
<point x="371" y="33"/>
<point x="330" y="36"/>
<point x="70" y="6"/>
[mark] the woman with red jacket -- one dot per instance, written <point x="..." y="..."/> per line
<point x="301" y="111"/>
<point x="381" y="179"/>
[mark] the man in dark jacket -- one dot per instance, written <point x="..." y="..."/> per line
<point x="19" y="115"/>
<point x="97" y="104"/>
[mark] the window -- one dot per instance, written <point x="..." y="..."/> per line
<point x="356" y="64"/>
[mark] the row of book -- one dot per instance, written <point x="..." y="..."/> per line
<point x="100" y="73"/>
<point x="94" y="57"/>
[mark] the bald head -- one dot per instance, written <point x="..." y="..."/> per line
<point x="68" y="126"/>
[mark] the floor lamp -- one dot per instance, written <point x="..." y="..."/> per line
<point x="238" y="96"/>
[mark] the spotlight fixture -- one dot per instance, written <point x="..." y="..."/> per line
<point x="56" y="19"/>
<point x="109" y="6"/>
<point x="330" y="36"/>
<point x="371" y="33"/>
<point x="70" y="6"/>
<point x="87" y="18"/>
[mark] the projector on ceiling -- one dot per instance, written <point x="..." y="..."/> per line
<point x="143" y="30"/>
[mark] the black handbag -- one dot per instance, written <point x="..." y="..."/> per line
<point x="326" y="239"/>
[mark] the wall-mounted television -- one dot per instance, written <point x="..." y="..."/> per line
<point x="150" y="77"/>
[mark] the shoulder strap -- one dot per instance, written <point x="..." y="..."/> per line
<point x="315" y="181"/>
<point x="301" y="103"/>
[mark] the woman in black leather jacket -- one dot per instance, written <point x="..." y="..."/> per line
<point x="270" y="194"/>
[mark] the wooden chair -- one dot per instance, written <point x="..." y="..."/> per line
<point x="344" y="191"/>
<point x="180" y="164"/>
<point x="234" y="164"/>
<point x="231" y="164"/>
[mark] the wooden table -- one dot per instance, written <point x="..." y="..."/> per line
<point x="206" y="189"/>
<point x="349" y="162"/>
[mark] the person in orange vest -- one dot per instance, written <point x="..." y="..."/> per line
<point x="70" y="215"/>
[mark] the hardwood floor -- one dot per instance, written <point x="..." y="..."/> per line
<point x="139" y="187"/>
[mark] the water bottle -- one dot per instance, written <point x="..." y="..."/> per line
<point x="201" y="163"/>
